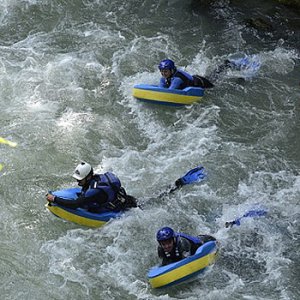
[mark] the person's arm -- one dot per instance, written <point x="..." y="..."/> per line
<point x="92" y="195"/>
<point x="185" y="247"/>
<point x="69" y="203"/>
<point x="176" y="82"/>
<point x="162" y="83"/>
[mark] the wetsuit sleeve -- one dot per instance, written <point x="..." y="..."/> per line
<point x="176" y="82"/>
<point x="162" y="83"/>
<point x="92" y="195"/>
<point x="69" y="203"/>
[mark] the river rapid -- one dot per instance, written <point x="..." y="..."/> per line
<point x="67" y="69"/>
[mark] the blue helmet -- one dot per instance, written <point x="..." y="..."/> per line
<point x="164" y="234"/>
<point x="167" y="64"/>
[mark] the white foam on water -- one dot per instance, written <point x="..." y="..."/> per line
<point x="181" y="123"/>
<point x="67" y="96"/>
<point x="280" y="60"/>
<point x="71" y="120"/>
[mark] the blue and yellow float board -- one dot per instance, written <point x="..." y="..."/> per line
<point x="79" y="215"/>
<point x="160" y="95"/>
<point x="184" y="269"/>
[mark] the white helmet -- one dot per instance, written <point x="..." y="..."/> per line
<point x="82" y="171"/>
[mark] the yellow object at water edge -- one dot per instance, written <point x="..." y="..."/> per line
<point x="6" y="142"/>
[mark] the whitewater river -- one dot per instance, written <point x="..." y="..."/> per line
<point x="67" y="69"/>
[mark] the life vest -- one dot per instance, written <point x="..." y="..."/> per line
<point x="109" y="183"/>
<point x="117" y="198"/>
<point x="195" y="242"/>
<point x="186" y="81"/>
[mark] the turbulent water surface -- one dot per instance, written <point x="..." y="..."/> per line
<point x="66" y="73"/>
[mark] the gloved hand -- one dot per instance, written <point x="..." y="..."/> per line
<point x="50" y="197"/>
<point x="194" y="175"/>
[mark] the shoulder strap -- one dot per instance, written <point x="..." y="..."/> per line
<point x="107" y="183"/>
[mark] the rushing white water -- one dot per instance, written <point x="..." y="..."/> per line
<point x="67" y="69"/>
